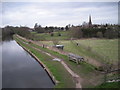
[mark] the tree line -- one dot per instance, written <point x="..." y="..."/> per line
<point x="101" y="31"/>
<point x="104" y="31"/>
<point x="39" y="29"/>
<point x="8" y="31"/>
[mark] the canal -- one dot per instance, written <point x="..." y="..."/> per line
<point x="20" y="69"/>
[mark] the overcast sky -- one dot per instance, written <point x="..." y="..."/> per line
<point x="58" y="13"/>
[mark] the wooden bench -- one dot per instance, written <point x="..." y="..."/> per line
<point x="75" y="58"/>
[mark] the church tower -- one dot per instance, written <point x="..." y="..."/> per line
<point x="90" y="22"/>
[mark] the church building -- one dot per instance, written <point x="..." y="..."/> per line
<point x="89" y="24"/>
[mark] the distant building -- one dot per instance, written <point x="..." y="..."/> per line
<point x="89" y="24"/>
<point x="84" y="24"/>
<point x="31" y="29"/>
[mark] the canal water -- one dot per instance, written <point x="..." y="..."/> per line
<point x="20" y="70"/>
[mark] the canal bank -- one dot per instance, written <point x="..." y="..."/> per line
<point x="43" y="65"/>
<point x="56" y="68"/>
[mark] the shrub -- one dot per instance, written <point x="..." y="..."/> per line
<point x="59" y="34"/>
<point x="55" y="41"/>
<point x="52" y="34"/>
<point x="100" y="68"/>
<point x="99" y="34"/>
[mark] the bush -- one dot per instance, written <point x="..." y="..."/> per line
<point x="55" y="41"/>
<point x="59" y="34"/>
<point x="99" y="34"/>
<point x="111" y="34"/>
<point x="76" y="32"/>
<point x="100" y="68"/>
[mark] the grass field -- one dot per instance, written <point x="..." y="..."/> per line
<point x="108" y="48"/>
<point x="100" y="49"/>
<point x="47" y="36"/>
<point x="86" y="71"/>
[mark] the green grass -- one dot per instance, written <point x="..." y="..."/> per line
<point x="103" y="50"/>
<point x="91" y="78"/>
<point x="56" y="68"/>
<point x="73" y="48"/>
<point x="47" y="36"/>
<point x="86" y="67"/>
<point x="109" y="85"/>
<point x="85" y="70"/>
<point x="108" y="48"/>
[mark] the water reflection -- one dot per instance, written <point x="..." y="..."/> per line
<point x="20" y="70"/>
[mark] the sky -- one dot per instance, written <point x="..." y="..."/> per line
<point x="58" y="13"/>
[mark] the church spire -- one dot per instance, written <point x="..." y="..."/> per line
<point x="90" y="22"/>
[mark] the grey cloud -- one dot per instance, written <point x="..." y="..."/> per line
<point x="60" y="14"/>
